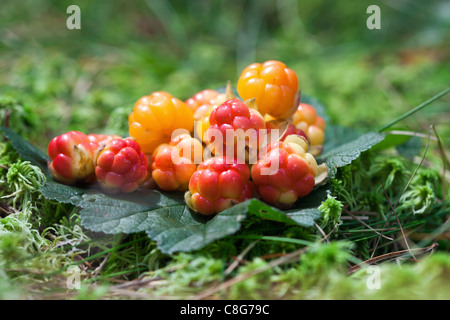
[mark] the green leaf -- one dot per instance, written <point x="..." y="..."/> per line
<point x="342" y="145"/>
<point x="183" y="230"/>
<point x="304" y="212"/>
<point x="336" y="136"/>
<point x="54" y="190"/>
<point x="127" y="213"/>
<point x="167" y="220"/>
<point x="410" y="148"/>
<point x="347" y="147"/>
<point x="163" y="216"/>
<point x="25" y="149"/>
<point x="391" y="141"/>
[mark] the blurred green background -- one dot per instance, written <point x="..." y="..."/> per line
<point x="89" y="79"/>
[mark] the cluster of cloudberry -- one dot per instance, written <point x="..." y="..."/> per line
<point x="117" y="164"/>
<point x="169" y="139"/>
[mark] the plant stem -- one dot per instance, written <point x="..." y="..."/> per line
<point x="419" y="107"/>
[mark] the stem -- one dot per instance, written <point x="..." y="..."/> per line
<point x="392" y="255"/>
<point x="419" y="107"/>
<point x="445" y="163"/>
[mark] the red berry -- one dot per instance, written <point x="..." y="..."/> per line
<point x="120" y="166"/>
<point x="72" y="157"/>
<point x="285" y="172"/>
<point x="234" y="118"/>
<point x="218" y="184"/>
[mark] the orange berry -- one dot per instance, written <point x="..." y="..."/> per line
<point x="307" y="120"/>
<point x="175" y="163"/>
<point x="155" y="117"/>
<point x="273" y="86"/>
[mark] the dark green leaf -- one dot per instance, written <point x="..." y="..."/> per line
<point x="54" y="190"/>
<point x="344" y="153"/>
<point x="304" y="212"/>
<point x="336" y="136"/>
<point x="164" y="217"/>
<point x="390" y="141"/>
<point x="25" y="149"/>
<point x="179" y="229"/>
<point x="126" y="213"/>
<point x="167" y="220"/>
<point x="410" y="148"/>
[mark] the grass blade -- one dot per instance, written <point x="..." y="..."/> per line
<point x="419" y="107"/>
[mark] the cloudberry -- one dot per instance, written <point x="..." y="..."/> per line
<point x="203" y="103"/>
<point x="204" y="99"/>
<point x="102" y="138"/>
<point x="232" y="123"/>
<point x="155" y="117"/>
<point x="218" y="184"/>
<point x="285" y="129"/>
<point x="285" y="173"/>
<point x="72" y="157"/>
<point x="273" y="85"/>
<point x="307" y="120"/>
<point x="120" y="166"/>
<point x="174" y="163"/>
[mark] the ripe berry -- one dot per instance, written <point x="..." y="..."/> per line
<point x="285" y="129"/>
<point x="307" y="120"/>
<point x="201" y="118"/>
<point x="72" y="157"/>
<point x="285" y="173"/>
<point x="273" y="85"/>
<point x="203" y="103"/>
<point x="174" y="163"/>
<point x="102" y="138"/>
<point x="204" y="99"/>
<point x="227" y="119"/>
<point x="149" y="182"/>
<point x="218" y="184"/>
<point x="155" y="117"/>
<point x="120" y="166"/>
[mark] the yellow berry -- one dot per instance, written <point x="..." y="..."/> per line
<point x="155" y="117"/>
